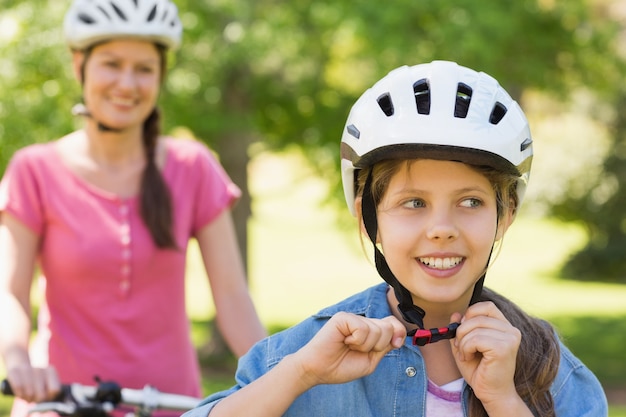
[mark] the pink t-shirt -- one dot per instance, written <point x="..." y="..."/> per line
<point x="114" y="303"/>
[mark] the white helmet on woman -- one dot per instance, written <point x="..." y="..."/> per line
<point x="438" y="110"/>
<point x="88" y="22"/>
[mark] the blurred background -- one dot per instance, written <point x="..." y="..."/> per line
<point x="268" y="84"/>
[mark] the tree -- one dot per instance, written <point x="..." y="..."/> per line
<point x="599" y="204"/>
<point x="285" y="73"/>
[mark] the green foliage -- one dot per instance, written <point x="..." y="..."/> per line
<point x="601" y="210"/>
<point x="285" y="73"/>
<point x="36" y="88"/>
<point x="598" y="342"/>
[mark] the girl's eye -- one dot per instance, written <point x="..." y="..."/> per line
<point x="415" y="203"/>
<point x="471" y="203"/>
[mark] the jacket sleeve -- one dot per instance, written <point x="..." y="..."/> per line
<point x="576" y="390"/>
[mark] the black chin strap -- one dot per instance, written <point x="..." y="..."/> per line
<point x="81" y="110"/>
<point x="410" y="312"/>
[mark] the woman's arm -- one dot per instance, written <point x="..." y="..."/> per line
<point x="236" y="315"/>
<point x="18" y="251"/>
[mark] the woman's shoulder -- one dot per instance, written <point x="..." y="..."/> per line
<point x="37" y="159"/>
<point x="185" y="149"/>
<point x="35" y="152"/>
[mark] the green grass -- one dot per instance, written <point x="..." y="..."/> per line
<point x="297" y="249"/>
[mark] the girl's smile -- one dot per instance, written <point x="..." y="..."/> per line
<point x="441" y="266"/>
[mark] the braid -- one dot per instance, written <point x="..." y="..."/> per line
<point x="155" y="204"/>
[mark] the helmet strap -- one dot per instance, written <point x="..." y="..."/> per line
<point x="410" y="312"/>
<point x="81" y="110"/>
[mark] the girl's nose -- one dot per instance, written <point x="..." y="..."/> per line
<point x="441" y="228"/>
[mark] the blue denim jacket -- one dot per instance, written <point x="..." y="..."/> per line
<point x="398" y="385"/>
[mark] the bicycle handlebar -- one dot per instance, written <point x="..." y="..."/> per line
<point x="105" y="397"/>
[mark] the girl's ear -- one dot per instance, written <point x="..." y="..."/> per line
<point x="78" y="58"/>
<point x="358" y="208"/>
<point x="506" y="220"/>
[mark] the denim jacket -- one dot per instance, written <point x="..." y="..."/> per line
<point x="398" y="385"/>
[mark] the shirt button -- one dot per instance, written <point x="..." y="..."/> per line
<point x="410" y="372"/>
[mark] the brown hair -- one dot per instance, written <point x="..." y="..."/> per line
<point x="155" y="200"/>
<point x="539" y="352"/>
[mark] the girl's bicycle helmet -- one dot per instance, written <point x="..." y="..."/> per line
<point x="88" y="22"/>
<point x="438" y="110"/>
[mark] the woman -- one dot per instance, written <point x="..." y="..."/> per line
<point x="435" y="160"/>
<point x="106" y="214"/>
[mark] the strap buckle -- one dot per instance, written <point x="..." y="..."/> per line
<point x="423" y="337"/>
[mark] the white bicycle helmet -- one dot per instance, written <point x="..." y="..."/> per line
<point x="88" y="22"/>
<point x="439" y="110"/>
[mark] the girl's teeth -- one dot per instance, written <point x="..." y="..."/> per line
<point x="441" y="263"/>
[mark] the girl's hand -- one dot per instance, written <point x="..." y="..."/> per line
<point x="485" y="350"/>
<point x="348" y="347"/>
<point x="34" y="384"/>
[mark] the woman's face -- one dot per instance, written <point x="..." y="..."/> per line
<point x="437" y="223"/>
<point x="121" y="81"/>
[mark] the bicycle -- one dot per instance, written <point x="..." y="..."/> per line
<point x="77" y="400"/>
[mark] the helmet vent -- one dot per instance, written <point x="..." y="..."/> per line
<point x="498" y="112"/>
<point x="86" y="19"/>
<point x="152" y="14"/>
<point x="354" y="131"/>
<point x="119" y="12"/>
<point x="385" y="103"/>
<point x="463" y="99"/>
<point x="104" y="12"/>
<point x="421" y="90"/>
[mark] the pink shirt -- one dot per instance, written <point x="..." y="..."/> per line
<point x="114" y="303"/>
<point x="444" y="401"/>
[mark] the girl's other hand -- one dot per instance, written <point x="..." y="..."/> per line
<point x="485" y="350"/>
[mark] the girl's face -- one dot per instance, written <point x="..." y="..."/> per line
<point x="437" y="223"/>
<point x="121" y="81"/>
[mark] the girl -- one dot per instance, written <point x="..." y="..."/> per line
<point x="435" y="160"/>
<point x="106" y="213"/>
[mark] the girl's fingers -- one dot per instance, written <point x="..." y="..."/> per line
<point x="376" y="335"/>
<point x="481" y="315"/>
